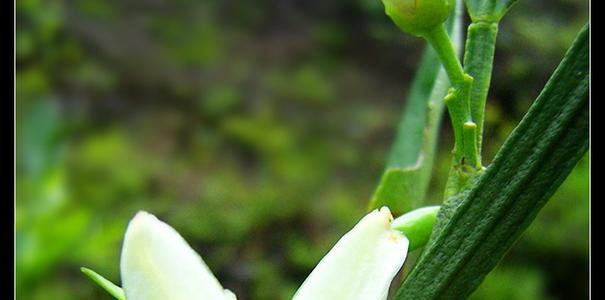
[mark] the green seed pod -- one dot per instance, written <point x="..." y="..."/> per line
<point x="418" y="16"/>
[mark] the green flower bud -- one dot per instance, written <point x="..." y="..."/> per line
<point x="418" y="16"/>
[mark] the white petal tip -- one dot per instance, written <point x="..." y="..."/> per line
<point x="157" y="263"/>
<point x="143" y="216"/>
<point x="386" y="212"/>
<point x="229" y="295"/>
<point x="371" y="253"/>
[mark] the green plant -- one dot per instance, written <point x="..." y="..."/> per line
<point x="485" y="208"/>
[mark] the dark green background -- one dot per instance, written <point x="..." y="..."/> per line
<point x="258" y="129"/>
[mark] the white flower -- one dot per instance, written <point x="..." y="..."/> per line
<point x="361" y="265"/>
<point x="157" y="264"/>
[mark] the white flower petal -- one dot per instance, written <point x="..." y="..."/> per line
<point x="361" y="265"/>
<point x="158" y="264"/>
<point x="229" y="295"/>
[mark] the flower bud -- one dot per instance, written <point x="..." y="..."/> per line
<point x="418" y="16"/>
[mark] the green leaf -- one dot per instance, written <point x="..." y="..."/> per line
<point x="107" y="285"/>
<point x="500" y="204"/>
<point x="404" y="183"/>
<point x="488" y="10"/>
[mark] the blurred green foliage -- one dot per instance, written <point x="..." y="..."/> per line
<point x="257" y="129"/>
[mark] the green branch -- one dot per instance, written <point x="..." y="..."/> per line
<point x="458" y="99"/>
<point x="475" y="228"/>
<point x="478" y="62"/>
<point x="479" y="54"/>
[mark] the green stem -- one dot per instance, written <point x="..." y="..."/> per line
<point x="458" y="100"/>
<point x="478" y="62"/>
<point x="440" y="41"/>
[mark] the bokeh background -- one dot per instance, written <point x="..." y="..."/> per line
<point x="258" y="129"/>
